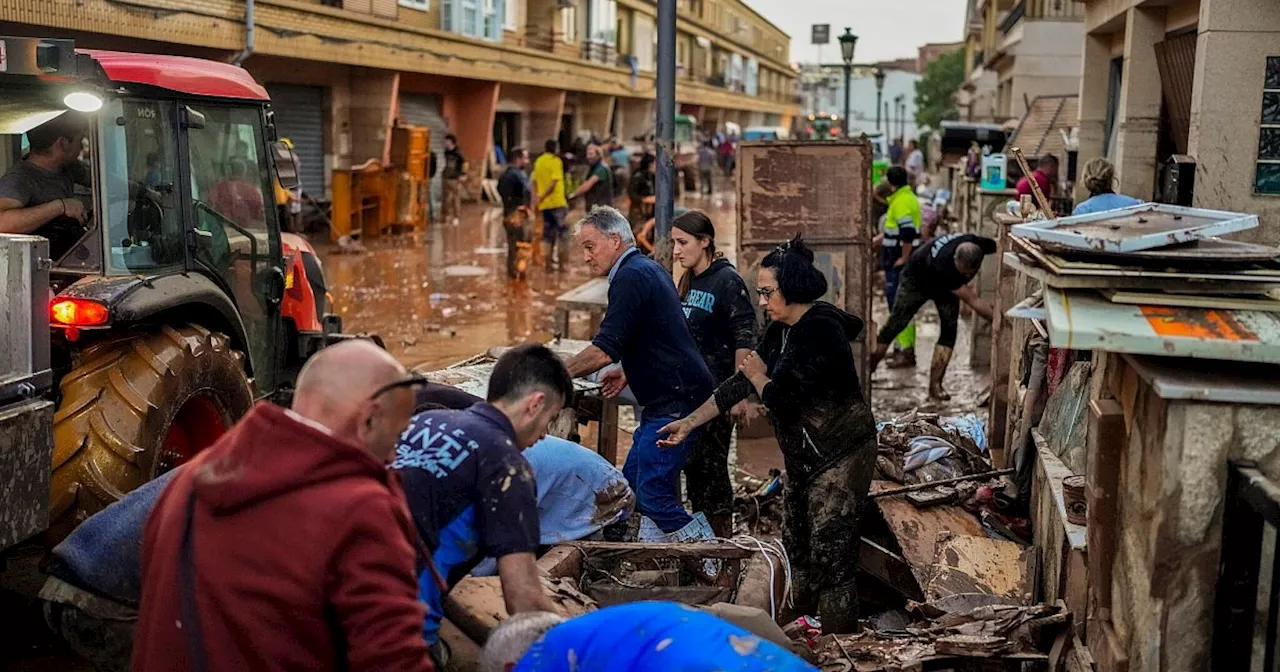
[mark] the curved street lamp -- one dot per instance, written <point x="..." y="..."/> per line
<point x="847" y="42"/>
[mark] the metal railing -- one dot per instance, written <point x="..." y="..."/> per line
<point x="1012" y="18"/>
<point x="1054" y="10"/>
<point x="1250" y="563"/>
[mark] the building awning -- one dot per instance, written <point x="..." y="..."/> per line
<point x="1039" y="133"/>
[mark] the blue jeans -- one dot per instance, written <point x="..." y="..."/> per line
<point x="654" y="474"/>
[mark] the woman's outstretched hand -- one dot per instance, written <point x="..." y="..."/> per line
<point x="676" y="432"/>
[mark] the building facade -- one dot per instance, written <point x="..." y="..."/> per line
<point x="1016" y="51"/>
<point x="822" y="92"/>
<point x="343" y="73"/>
<point x="1197" y="79"/>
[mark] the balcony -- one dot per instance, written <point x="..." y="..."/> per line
<point x="1012" y="18"/>
<point x="1042" y="10"/>
<point x="599" y="52"/>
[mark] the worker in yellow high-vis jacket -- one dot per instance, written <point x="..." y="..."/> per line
<point x="899" y="232"/>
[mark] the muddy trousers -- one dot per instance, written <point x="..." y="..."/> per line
<point x="517" y="227"/>
<point x="452" y="205"/>
<point x="106" y="643"/>
<point x="908" y="301"/>
<point x="906" y="339"/>
<point x="654" y="474"/>
<point x="706" y="470"/>
<point x="822" y="536"/>
<point x="555" y="236"/>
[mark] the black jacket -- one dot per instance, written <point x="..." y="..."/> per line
<point x="814" y="397"/>
<point x="721" y="317"/>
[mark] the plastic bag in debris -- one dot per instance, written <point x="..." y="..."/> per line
<point x="969" y="425"/>
<point x="696" y="530"/>
<point x="925" y="449"/>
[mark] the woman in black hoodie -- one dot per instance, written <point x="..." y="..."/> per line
<point x="804" y="372"/>
<point x="723" y="321"/>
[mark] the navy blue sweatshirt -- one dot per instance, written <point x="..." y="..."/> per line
<point x="721" y="316"/>
<point x="644" y="328"/>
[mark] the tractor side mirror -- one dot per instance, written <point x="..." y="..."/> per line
<point x="286" y="164"/>
<point x="192" y="119"/>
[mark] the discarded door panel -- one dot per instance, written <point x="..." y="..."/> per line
<point x="916" y="530"/>
<point x="1084" y="320"/>
<point x="821" y="190"/>
<point x="976" y="564"/>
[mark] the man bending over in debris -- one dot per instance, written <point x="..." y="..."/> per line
<point x="644" y="328"/>
<point x="470" y="490"/>
<point x="939" y="272"/>
<point x="637" y="636"/>
<point x="804" y="372"/>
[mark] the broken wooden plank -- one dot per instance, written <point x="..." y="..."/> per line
<point x="916" y="530"/>
<point x="972" y="646"/>
<point x="1106" y="441"/>
<point x="974" y="564"/>
<point x="476" y="604"/>
<point x="1259" y="302"/>
<point x="562" y="562"/>
<point x="889" y="568"/>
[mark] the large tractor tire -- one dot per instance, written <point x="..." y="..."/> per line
<point x="135" y="407"/>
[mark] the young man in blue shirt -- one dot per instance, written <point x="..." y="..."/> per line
<point x="472" y="493"/>
<point x="644" y="328"/>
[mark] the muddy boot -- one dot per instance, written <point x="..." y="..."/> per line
<point x="937" y="370"/>
<point x="721" y="524"/>
<point x="838" y="610"/>
<point x="905" y="359"/>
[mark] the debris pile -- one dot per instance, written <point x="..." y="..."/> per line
<point x="925" y="447"/>
<point x="948" y="632"/>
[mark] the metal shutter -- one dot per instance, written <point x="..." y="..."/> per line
<point x="423" y="109"/>
<point x="1176" y="59"/>
<point x="300" y="117"/>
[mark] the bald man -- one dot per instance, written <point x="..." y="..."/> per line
<point x="286" y="544"/>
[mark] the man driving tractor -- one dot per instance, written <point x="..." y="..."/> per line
<point x="41" y="188"/>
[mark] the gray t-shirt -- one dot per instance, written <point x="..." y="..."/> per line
<point x="31" y="185"/>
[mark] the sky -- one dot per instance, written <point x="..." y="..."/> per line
<point x="886" y="29"/>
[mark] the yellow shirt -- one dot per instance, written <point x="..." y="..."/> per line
<point x="549" y="167"/>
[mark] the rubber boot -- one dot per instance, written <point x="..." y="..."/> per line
<point x="937" y="370"/>
<point x="838" y="610"/>
<point x="904" y="359"/>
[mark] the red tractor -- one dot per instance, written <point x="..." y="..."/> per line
<point x="175" y="306"/>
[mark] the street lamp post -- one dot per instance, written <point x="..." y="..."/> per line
<point x="879" y="92"/>
<point x="898" y="106"/>
<point x="847" y="42"/>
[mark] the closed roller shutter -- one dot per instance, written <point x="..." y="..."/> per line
<point x="423" y="109"/>
<point x="299" y="113"/>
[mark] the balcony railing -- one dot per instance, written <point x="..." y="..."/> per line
<point x="1013" y="17"/>
<point x="978" y="56"/>
<point x="599" y="52"/>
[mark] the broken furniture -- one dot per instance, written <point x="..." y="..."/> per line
<point x="1173" y="394"/>
<point x="591" y="297"/>
<point x="472" y="376"/>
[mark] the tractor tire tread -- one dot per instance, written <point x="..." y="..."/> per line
<point x="117" y="405"/>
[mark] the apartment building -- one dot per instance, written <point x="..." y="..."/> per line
<point x="1016" y="51"/>
<point x="342" y="73"/>
<point x="1196" y="79"/>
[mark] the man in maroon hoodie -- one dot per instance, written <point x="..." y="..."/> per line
<point x="287" y="544"/>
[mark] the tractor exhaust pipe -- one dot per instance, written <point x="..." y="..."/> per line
<point x="248" y="35"/>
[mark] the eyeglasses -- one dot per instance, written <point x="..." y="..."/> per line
<point x="766" y="292"/>
<point x="414" y="379"/>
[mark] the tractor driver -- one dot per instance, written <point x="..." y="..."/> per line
<point x="40" y="189"/>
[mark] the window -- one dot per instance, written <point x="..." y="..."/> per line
<point x="424" y="5"/>
<point x="473" y="18"/>
<point x="568" y="24"/>
<point x="511" y="15"/>
<point x="602" y="21"/>
<point x="140" y="168"/>
<point x="1266" y="179"/>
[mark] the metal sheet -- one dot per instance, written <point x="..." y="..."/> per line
<point x="1140" y="227"/>
<point x="1084" y="320"/>
<point x="1225" y="382"/>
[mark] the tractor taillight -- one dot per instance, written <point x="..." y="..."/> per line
<point x="78" y="312"/>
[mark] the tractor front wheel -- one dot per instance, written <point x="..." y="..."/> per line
<point x="135" y="407"/>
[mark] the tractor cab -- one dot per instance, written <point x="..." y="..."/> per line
<point x="175" y="300"/>
<point x="176" y="180"/>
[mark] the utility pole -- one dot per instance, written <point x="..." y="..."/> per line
<point x="664" y="207"/>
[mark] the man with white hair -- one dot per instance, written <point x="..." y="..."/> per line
<point x="637" y="636"/>
<point x="644" y="328"/>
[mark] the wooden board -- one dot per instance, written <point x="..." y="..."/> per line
<point x="1060" y="266"/>
<point x="1259" y="302"/>
<point x="916" y="530"/>
<point x="975" y="564"/>
<point x="1032" y="268"/>
<point x="820" y="190"/>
